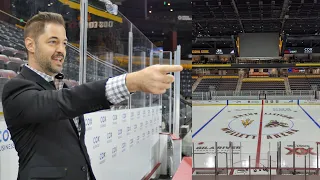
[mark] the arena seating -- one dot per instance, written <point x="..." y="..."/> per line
<point x="263" y="86"/>
<point x="299" y="83"/>
<point x="314" y="81"/>
<point x="193" y="81"/>
<point x="204" y="84"/>
<point x="227" y="84"/>
<point x="221" y="83"/>
<point x="185" y="83"/>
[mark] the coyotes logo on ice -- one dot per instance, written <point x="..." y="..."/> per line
<point x="274" y="125"/>
<point x="246" y="122"/>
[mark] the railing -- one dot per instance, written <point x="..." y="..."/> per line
<point x="240" y="158"/>
<point x="257" y="94"/>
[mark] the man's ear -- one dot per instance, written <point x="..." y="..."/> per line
<point x="30" y="44"/>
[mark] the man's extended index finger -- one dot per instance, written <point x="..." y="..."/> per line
<point x="170" y="68"/>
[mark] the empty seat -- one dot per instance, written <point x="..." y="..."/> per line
<point x="7" y="73"/>
<point x="227" y="84"/>
<point x="21" y="55"/>
<point x="299" y="84"/>
<point x="263" y="86"/>
<point x="14" y="66"/>
<point x="8" y="51"/>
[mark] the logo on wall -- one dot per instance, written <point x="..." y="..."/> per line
<point x="135" y="127"/>
<point x="141" y="125"/>
<point x="144" y="113"/>
<point x="210" y="148"/>
<point x="152" y="131"/>
<point x="138" y="114"/>
<point x="148" y="134"/>
<point x="274" y="129"/>
<point x="308" y="50"/>
<point x="5" y="138"/>
<point x="123" y="147"/>
<point x="124" y="117"/>
<point x="131" y="142"/>
<point x="132" y="116"/>
<point x="300" y="150"/>
<point x="184" y="18"/>
<point x="88" y="122"/>
<point x="152" y="111"/>
<point x="109" y="137"/>
<point x="219" y="51"/>
<point x="114" y="119"/>
<point x="103" y="121"/>
<point x="119" y="133"/>
<point x="246" y="122"/>
<point x="102" y="157"/>
<point x="143" y="136"/>
<point x="275" y="123"/>
<point x="96" y="142"/>
<point x="155" y="120"/>
<point x="146" y="124"/>
<point x="128" y="130"/>
<point x="114" y="151"/>
<point x="138" y="139"/>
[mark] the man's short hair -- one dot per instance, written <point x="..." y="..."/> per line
<point x="35" y="26"/>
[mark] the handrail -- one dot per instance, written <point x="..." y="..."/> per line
<point x="110" y="65"/>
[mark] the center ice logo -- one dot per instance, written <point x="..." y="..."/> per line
<point x="246" y="122"/>
<point x="275" y="123"/>
<point x="274" y="126"/>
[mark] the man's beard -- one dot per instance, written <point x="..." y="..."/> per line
<point x="44" y="62"/>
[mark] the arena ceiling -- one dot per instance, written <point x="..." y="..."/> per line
<point x="161" y="20"/>
<point x="216" y="19"/>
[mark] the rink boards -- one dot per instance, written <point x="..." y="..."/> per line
<point x="255" y="130"/>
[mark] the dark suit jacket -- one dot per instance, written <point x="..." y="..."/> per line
<point x="39" y="119"/>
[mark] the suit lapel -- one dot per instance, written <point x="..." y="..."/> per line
<point x="32" y="76"/>
<point x="71" y="120"/>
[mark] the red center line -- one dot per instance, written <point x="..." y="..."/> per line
<point x="259" y="138"/>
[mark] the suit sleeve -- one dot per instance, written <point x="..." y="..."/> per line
<point x="25" y="102"/>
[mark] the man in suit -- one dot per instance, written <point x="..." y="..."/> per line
<point x="45" y="117"/>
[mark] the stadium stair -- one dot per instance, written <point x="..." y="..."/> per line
<point x="287" y="85"/>
<point x="194" y="86"/>
<point x="238" y="88"/>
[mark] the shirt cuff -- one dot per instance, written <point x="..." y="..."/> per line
<point x="116" y="89"/>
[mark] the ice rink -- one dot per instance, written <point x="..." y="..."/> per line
<point x="255" y="131"/>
